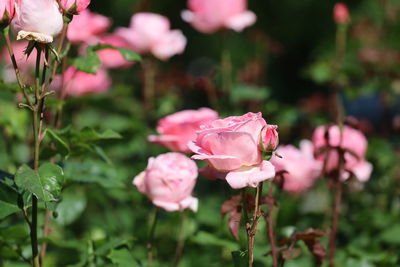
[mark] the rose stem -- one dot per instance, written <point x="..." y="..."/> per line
<point x="252" y="227"/>
<point x="269" y="219"/>
<point x="181" y="239"/>
<point x="151" y="238"/>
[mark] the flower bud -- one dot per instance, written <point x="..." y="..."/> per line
<point x="7" y="11"/>
<point x="269" y="138"/>
<point x="37" y="20"/>
<point x="341" y="13"/>
<point x="74" y="7"/>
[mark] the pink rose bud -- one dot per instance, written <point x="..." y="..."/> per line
<point x="177" y="129"/>
<point x="37" y="20"/>
<point x="151" y="33"/>
<point x="300" y="168"/>
<point x="270" y="138"/>
<point x="74" y="7"/>
<point x="87" y="27"/>
<point x="168" y="181"/>
<point x="352" y="141"/>
<point x="341" y="13"/>
<point x="209" y="16"/>
<point x="232" y="146"/>
<point x="78" y="83"/>
<point x="7" y="11"/>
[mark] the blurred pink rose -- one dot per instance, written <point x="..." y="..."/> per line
<point x="112" y="58"/>
<point x="270" y="138"/>
<point x="341" y="13"/>
<point x="209" y="16"/>
<point x="232" y="146"/>
<point x="168" y="181"/>
<point x="7" y="11"/>
<point x="78" y="83"/>
<point x="25" y="65"/>
<point x="177" y="129"/>
<point x="87" y="27"/>
<point x="74" y="6"/>
<point x="151" y="33"/>
<point x="301" y="168"/>
<point x="355" y="144"/>
<point x="38" y="20"/>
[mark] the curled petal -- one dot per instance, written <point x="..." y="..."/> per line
<point x="251" y="176"/>
<point x="187" y="203"/>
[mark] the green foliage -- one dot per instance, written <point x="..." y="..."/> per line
<point x="45" y="183"/>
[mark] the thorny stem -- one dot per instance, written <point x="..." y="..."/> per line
<point x="151" y="238"/>
<point x="251" y="228"/>
<point x="271" y="234"/>
<point x="6" y="34"/>
<point x="181" y="239"/>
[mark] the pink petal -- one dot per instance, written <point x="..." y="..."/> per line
<point x="362" y="171"/>
<point x="251" y="176"/>
<point x="241" y="21"/>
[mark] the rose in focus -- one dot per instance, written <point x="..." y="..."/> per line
<point x="168" y="181"/>
<point x="37" y="20"/>
<point x="177" y="129"/>
<point x="233" y="146"/>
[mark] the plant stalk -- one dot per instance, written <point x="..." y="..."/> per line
<point x="151" y="238"/>
<point x="181" y="239"/>
<point x="270" y="223"/>
<point x="252" y="226"/>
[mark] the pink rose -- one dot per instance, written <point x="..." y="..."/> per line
<point x="341" y="13"/>
<point x="7" y="11"/>
<point x="168" y="181"/>
<point x="178" y="129"/>
<point x="209" y="16"/>
<point x="270" y="138"/>
<point x="78" y="83"/>
<point x="87" y="27"/>
<point x="301" y="169"/>
<point x="25" y="65"/>
<point x="351" y="140"/>
<point x="151" y="33"/>
<point x="112" y="58"/>
<point x="233" y="146"/>
<point x="74" y="6"/>
<point x="37" y="20"/>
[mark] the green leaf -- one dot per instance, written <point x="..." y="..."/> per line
<point x="71" y="207"/>
<point x="129" y="54"/>
<point x="391" y="235"/>
<point x="8" y="200"/>
<point x="204" y="238"/>
<point x="246" y="92"/>
<point x="89" y="63"/>
<point x="61" y="144"/>
<point x="126" y="53"/>
<point x="105" y="248"/>
<point x="122" y="258"/>
<point x="44" y="183"/>
<point x="87" y="135"/>
<point x="239" y="258"/>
